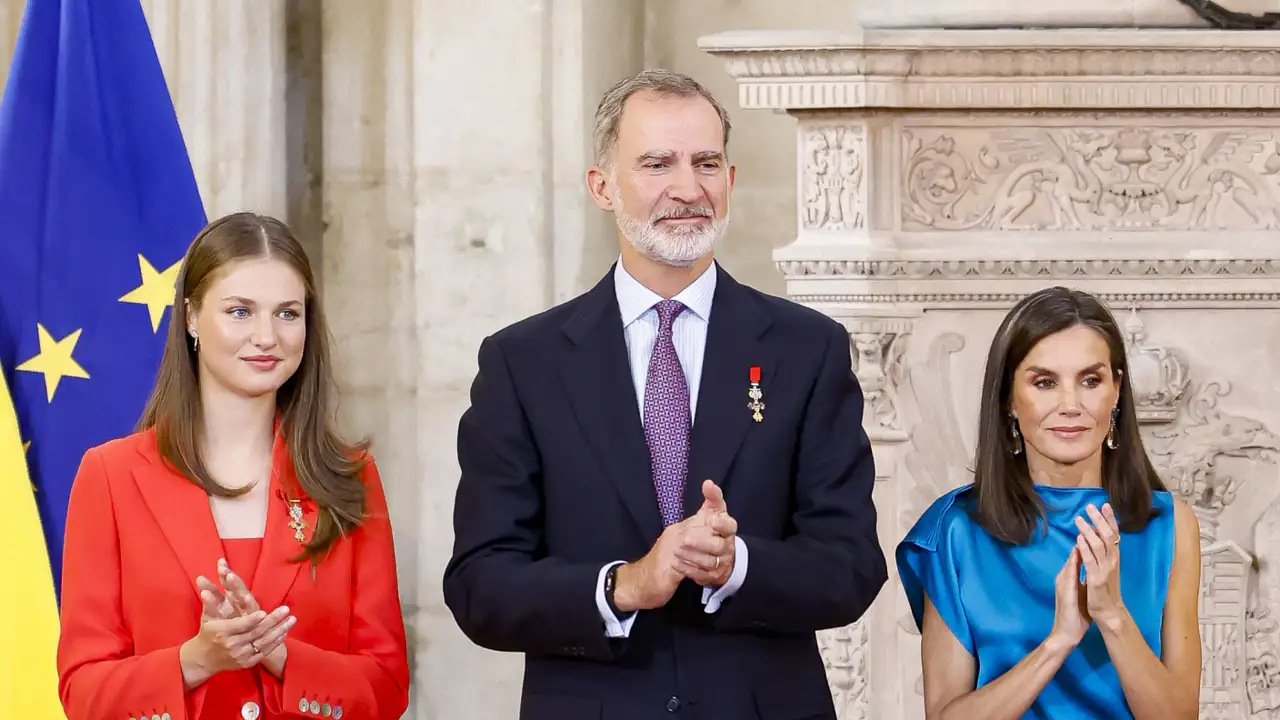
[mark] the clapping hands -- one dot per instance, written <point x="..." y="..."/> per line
<point x="234" y="631"/>
<point x="700" y="548"/>
<point x="706" y="549"/>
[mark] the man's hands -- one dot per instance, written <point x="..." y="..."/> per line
<point x="700" y="548"/>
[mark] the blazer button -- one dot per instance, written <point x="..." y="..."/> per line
<point x="303" y="706"/>
<point x="673" y="705"/>
<point x="326" y="710"/>
<point x="337" y="712"/>
<point x="315" y="707"/>
<point x="250" y="711"/>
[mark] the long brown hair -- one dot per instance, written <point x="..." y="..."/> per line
<point x="1007" y="505"/>
<point x="327" y="467"/>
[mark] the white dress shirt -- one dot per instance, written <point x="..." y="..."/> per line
<point x="689" y="335"/>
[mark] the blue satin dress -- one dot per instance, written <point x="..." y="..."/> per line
<point x="998" y="598"/>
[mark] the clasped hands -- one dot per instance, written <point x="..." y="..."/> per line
<point x="699" y="548"/>
<point x="234" y="632"/>
<point x="1098" y="597"/>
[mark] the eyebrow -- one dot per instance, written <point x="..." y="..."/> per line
<point x="660" y="155"/>
<point x="668" y="155"/>
<point x="1037" y="370"/>
<point x="247" y="301"/>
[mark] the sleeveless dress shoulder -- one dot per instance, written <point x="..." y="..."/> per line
<point x="998" y="598"/>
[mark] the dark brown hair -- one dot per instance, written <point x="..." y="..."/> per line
<point x="1007" y="505"/>
<point x="327" y="467"/>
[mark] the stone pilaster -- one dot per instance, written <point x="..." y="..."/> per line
<point x="454" y="205"/>
<point x="366" y="185"/>
<point x="224" y="63"/>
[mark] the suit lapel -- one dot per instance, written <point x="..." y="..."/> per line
<point x="734" y="345"/>
<point x="181" y="509"/>
<point x="278" y="566"/>
<point x="597" y="378"/>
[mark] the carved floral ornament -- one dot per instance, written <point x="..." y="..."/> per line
<point x="1190" y="440"/>
<point x="1091" y="178"/>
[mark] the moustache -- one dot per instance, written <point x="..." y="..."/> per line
<point x="683" y="212"/>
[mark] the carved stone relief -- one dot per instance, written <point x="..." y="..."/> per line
<point x="1090" y="178"/>
<point x="949" y="173"/>
<point x="834" y="170"/>
<point x="1157" y="375"/>
<point x="844" y="653"/>
<point x="877" y="349"/>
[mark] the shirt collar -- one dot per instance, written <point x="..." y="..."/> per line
<point x="634" y="299"/>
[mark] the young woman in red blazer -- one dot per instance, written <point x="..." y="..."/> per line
<point x="234" y="558"/>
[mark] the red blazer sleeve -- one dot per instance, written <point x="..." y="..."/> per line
<point x="99" y="676"/>
<point x="371" y="679"/>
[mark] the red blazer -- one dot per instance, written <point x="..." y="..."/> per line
<point x="138" y="534"/>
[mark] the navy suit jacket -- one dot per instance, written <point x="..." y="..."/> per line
<point x="556" y="483"/>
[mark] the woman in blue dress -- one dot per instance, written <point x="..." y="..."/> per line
<point x="1062" y="583"/>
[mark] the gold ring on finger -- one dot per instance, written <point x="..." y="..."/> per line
<point x="717" y="567"/>
<point x="1116" y="542"/>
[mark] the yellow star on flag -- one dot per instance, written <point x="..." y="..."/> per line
<point x="55" y="361"/>
<point x="156" y="290"/>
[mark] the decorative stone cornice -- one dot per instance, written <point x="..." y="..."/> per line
<point x="1030" y="269"/>
<point x="1009" y="69"/>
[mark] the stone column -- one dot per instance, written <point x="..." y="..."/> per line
<point x="225" y="65"/>
<point x="454" y="205"/>
<point x="945" y="174"/>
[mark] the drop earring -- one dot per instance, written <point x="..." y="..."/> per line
<point x="1017" y="436"/>
<point x="195" y="342"/>
<point x="1111" y="433"/>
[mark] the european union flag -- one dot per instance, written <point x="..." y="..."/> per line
<point x="97" y="204"/>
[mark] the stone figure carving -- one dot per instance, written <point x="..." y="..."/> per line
<point x="877" y="349"/>
<point x="1231" y="20"/>
<point x="1096" y="178"/>
<point x="834" y="166"/>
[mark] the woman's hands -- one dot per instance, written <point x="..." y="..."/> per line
<point x="234" y="632"/>
<point x="1099" y="547"/>
<point x="1070" y="619"/>
<point x="1098" y="597"/>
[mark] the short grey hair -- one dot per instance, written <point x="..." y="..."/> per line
<point x="661" y="82"/>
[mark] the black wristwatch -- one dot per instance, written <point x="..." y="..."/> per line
<point x="610" y="585"/>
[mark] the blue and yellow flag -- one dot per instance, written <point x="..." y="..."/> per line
<point x="97" y="206"/>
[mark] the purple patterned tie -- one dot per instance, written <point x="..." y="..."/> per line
<point x="666" y="417"/>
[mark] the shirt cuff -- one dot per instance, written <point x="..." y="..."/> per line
<point x="712" y="597"/>
<point x="613" y="626"/>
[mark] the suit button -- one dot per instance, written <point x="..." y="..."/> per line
<point x="303" y="705"/>
<point x="673" y="705"/>
<point x="250" y="711"/>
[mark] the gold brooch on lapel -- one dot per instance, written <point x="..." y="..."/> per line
<point x="295" y="520"/>
<point x="756" y="395"/>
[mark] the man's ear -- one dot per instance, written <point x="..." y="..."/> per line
<point x="600" y="187"/>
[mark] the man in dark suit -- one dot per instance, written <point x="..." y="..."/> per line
<point x="666" y="487"/>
